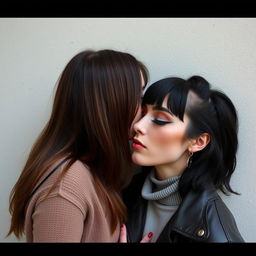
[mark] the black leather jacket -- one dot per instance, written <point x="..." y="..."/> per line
<point x="201" y="217"/>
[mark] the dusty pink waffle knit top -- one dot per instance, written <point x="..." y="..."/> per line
<point x="72" y="213"/>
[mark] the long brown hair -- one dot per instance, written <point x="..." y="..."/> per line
<point x="96" y="100"/>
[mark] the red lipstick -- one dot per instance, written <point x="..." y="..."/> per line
<point x="137" y="144"/>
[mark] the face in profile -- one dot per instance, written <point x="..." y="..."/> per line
<point x="160" y="138"/>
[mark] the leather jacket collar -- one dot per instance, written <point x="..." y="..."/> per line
<point x="202" y="216"/>
<point x="190" y="218"/>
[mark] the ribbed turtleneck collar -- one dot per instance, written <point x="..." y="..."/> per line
<point x="163" y="191"/>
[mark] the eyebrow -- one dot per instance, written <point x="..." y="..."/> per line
<point x="162" y="109"/>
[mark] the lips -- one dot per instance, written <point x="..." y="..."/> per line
<point x="137" y="144"/>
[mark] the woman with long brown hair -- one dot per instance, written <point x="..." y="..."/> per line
<point x="69" y="189"/>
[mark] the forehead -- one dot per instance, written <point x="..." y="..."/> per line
<point x="164" y="104"/>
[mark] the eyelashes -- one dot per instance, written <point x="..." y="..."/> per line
<point x="160" y="122"/>
<point x="155" y="117"/>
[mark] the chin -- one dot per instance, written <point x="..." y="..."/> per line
<point x="136" y="159"/>
<point x="140" y="161"/>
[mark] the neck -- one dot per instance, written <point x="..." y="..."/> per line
<point x="163" y="191"/>
<point x="164" y="172"/>
<point x="172" y="169"/>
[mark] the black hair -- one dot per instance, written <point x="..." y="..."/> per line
<point x="210" y="111"/>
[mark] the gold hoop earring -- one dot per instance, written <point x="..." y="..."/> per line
<point x="189" y="162"/>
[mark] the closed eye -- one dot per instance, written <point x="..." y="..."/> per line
<point x="160" y="121"/>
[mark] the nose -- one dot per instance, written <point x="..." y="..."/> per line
<point x="140" y="127"/>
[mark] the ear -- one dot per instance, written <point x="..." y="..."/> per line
<point x="199" y="143"/>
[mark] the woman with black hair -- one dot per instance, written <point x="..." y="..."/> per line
<point x="186" y="142"/>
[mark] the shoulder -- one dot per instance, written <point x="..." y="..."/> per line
<point x="78" y="176"/>
<point x="221" y="221"/>
<point x="206" y="212"/>
<point x="77" y="183"/>
<point x="76" y="186"/>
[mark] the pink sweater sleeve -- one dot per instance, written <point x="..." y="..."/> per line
<point x="57" y="219"/>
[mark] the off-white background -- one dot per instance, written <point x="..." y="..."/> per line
<point x="34" y="51"/>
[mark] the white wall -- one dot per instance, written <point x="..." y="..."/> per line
<point x="33" y="52"/>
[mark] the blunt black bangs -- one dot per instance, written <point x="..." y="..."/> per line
<point x="177" y="90"/>
<point x="177" y="100"/>
<point x="156" y="93"/>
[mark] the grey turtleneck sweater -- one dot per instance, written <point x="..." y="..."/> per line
<point x="163" y="200"/>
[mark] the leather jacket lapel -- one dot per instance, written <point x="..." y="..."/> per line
<point x="190" y="218"/>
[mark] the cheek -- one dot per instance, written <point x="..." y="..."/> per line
<point x="168" y="142"/>
<point x="162" y="137"/>
<point x="166" y="138"/>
